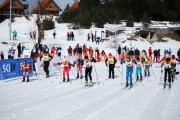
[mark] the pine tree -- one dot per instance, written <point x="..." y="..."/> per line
<point x="130" y="21"/>
<point x="145" y="21"/>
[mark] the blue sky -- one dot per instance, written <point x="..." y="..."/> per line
<point x="61" y="3"/>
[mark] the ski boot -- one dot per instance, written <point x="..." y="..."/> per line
<point x="109" y="77"/>
<point x="47" y="76"/>
<point x="28" y="79"/>
<point x="169" y="85"/>
<point x="68" y="80"/>
<point x="63" y="79"/>
<point x="131" y="84"/>
<point x="91" y="83"/>
<point x="141" y="78"/>
<point x="113" y="77"/>
<point x="164" y="85"/>
<point x="86" y="83"/>
<point x="126" y="85"/>
<point x="81" y="77"/>
<point x="23" y="79"/>
<point x="137" y="78"/>
<point x="77" y="76"/>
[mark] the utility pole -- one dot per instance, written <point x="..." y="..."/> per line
<point x="10" y="20"/>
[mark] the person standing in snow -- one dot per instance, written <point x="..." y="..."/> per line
<point x="178" y="53"/>
<point x="98" y="40"/>
<point x="119" y="51"/>
<point x="12" y="53"/>
<point x="159" y="55"/>
<point x="88" y="37"/>
<point x="1" y="55"/>
<point x="150" y="53"/>
<point x="79" y="64"/>
<point x="155" y="56"/>
<point x="69" y="51"/>
<point x="42" y="34"/>
<point x="92" y="37"/>
<point x="14" y="34"/>
<point x="139" y="65"/>
<point x="167" y="63"/>
<point x="88" y="70"/>
<point x="46" y="58"/>
<point x="54" y="34"/>
<point x="111" y="60"/>
<point x="9" y="53"/>
<point x="173" y="66"/>
<point x="34" y="35"/>
<point x="67" y="67"/>
<point x="146" y="61"/>
<point x="26" y="68"/>
<point x="19" y="50"/>
<point x="129" y="69"/>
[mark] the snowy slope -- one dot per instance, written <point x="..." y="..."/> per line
<point x="50" y="99"/>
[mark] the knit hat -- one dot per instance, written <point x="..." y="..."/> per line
<point x="110" y="54"/>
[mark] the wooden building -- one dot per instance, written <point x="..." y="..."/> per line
<point x="47" y="7"/>
<point x="18" y="7"/>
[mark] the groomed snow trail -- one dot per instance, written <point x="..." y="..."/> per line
<point x="47" y="99"/>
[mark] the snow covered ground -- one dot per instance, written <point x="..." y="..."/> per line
<point x="50" y="99"/>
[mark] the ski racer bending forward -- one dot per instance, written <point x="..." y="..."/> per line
<point x="66" y="69"/>
<point x="26" y="67"/>
<point x="129" y="69"/>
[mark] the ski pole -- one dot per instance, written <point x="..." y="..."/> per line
<point x="59" y="71"/>
<point x="122" y="75"/>
<point x="119" y="71"/>
<point x="153" y="71"/>
<point x="161" y="76"/>
<point x="96" y="74"/>
<point x="73" y="73"/>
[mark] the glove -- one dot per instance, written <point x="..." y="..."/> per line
<point x="161" y="71"/>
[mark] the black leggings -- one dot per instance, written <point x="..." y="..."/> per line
<point x="111" y="70"/>
<point x="167" y="72"/>
<point x="88" y="72"/>
<point x="46" y="67"/>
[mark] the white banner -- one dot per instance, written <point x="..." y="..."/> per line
<point x="53" y="66"/>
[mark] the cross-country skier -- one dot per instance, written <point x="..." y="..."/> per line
<point x="147" y="64"/>
<point x="88" y="69"/>
<point x="173" y="70"/>
<point x="167" y="63"/>
<point x="139" y="65"/>
<point x="46" y="58"/>
<point x="111" y="60"/>
<point x="67" y="67"/>
<point x="79" y="64"/>
<point x="26" y="68"/>
<point x="129" y="69"/>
